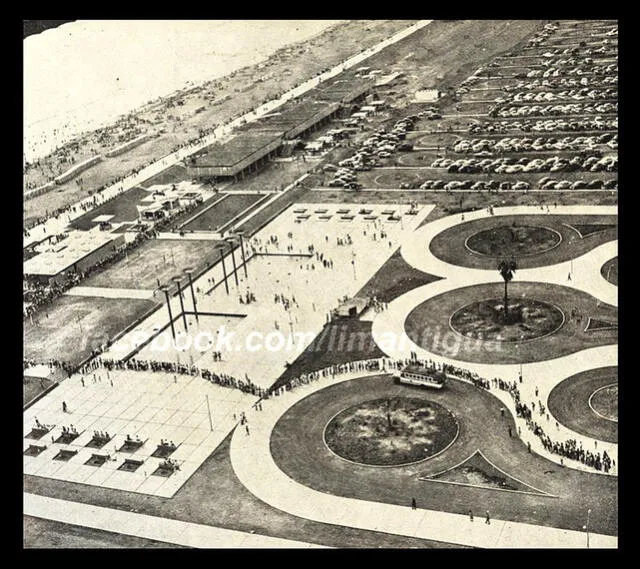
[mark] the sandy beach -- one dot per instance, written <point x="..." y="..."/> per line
<point x="189" y="113"/>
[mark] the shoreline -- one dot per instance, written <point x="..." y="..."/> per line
<point x="185" y="89"/>
<point x="222" y="99"/>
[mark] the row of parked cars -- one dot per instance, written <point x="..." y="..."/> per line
<point x="552" y="184"/>
<point x="545" y="183"/>
<point x="525" y="144"/>
<point x="557" y="110"/>
<point x="557" y="83"/>
<point x="549" y="125"/>
<point x="543" y="34"/>
<point x="476" y="185"/>
<point x="590" y="163"/>
<point x="603" y="50"/>
<point x="497" y="185"/>
<point x="380" y="144"/>
<point x="610" y="69"/>
<point x="576" y="94"/>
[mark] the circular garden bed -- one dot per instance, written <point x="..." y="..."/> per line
<point x="513" y="241"/>
<point x="604" y="401"/>
<point x="528" y="319"/>
<point x="391" y="431"/>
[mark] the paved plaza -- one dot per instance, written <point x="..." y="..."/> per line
<point x="189" y="412"/>
<point x="249" y="371"/>
<point x="286" y="267"/>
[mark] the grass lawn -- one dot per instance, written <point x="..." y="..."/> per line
<point x="34" y="386"/>
<point x="172" y="175"/>
<point x="299" y="449"/>
<point x="460" y="245"/>
<point x="156" y="259"/>
<point x="341" y="341"/>
<point x="123" y="208"/>
<point x="569" y="403"/>
<point x="77" y="324"/>
<point x="222" y="212"/>
<point x="428" y="325"/>
<point x="393" y="279"/>
<point x="41" y="533"/>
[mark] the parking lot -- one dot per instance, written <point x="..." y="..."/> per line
<point x="542" y="117"/>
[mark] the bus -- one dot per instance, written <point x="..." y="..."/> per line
<point x="421" y="376"/>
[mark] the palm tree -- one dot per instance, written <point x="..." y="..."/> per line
<point x="506" y="270"/>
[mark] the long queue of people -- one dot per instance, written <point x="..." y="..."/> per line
<point x="568" y="449"/>
<point x="222" y="379"/>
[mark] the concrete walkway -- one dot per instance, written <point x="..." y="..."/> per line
<point x="544" y="375"/>
<point x="104" y="292"/>
<point x="253" y="464"/>
<point x="150" y="527"/>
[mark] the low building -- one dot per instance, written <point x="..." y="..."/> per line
<point x="427" y="96"/>
<point x="296" y="119"/>
<point x="73" y="255"/>
<point x="242" y="155"/>
<point x="350" y="308"/>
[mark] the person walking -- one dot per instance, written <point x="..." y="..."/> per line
<point x="487" y="519"/>
<point x="64" y="407"/>
<point x="413" y="504"/>
<point x="470" y="516"/>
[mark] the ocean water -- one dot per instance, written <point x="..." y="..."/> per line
<point x="85" y="74"/>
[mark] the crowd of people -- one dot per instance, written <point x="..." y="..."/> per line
<point x="568" y="449"/>
<point x="222" y="379"/>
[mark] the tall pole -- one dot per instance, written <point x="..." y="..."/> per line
<point x="173" y="330"/>
<point x="587" y="526"/>
<point x="224" y="271"/>
<point x="244" y="259"/>
<point x="209" y="410"/>
<point x="193" y="296"/>
<point x="235" y="268"/>
<point x="184" y="316"/>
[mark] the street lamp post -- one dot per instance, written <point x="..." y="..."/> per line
<point x="184" y="316"/>
<point x="233" y="259"/>
<point x="165" y="289"/>
<point x="189" y="273"/>
<point x="224" y="270"/>
<point x="587" y="526"/>
<point x="244" y="259"/>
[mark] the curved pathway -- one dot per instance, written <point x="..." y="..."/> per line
<point x="388" y="326"/>
<point x="256" y="469"/>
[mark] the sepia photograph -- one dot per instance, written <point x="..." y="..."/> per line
<point x="300" y="284"/>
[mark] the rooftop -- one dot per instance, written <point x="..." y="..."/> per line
<point x="292" y="114"/>
<point x="237" y="149"/>
<point x="67" y="252"/>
